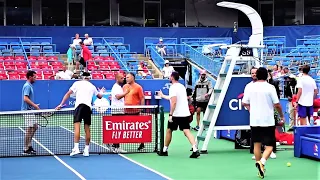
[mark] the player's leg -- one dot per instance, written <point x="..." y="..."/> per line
<point x="309" y="113"/>
<point x="256" y="137"/>
<point x="198" y="110"/>
<point x="76" y="125"/>
<point x="185" y="127"/>
<point x="302" y="113"/>
<point x="32" y="126"/>
<point x="172" y="126"/>
<point x="87" y="123"/>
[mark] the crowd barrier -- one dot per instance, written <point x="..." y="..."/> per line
<point x="49" y="93"/>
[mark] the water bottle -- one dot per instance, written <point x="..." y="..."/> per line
<point x="311" y="121"/>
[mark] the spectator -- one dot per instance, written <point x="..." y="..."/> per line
<point x="167" y="70"/>
<point x="64" y="74"/>
<point x="307" y="92"/>
<point x="88" y="40"/>
<point x="71" y="56"/>
<point x="161" y="48"/>
<point x="274" y="83"/>
<point x="76" y="40"/>
<point x="201" y="95"/>
<point x="143" y="70"/>
<point x="85" y="55"/>
<point x="289" y="91"/>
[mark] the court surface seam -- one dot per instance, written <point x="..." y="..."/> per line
<point x="125" y="157"/>
<point x="56" y="157"/>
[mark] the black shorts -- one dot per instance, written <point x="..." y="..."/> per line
<point x="264" y="135"/>
<point x="82" y="112"/>
<point x="82" y="62"/>
<point x="202" y="105"/>
<point x="181" y="122"/>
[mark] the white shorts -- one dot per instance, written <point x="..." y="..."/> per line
<point x="30" y="119"/>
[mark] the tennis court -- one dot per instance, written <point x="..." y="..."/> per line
<point x="222" y="162"/>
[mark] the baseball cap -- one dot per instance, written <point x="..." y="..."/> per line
<point x="166" y="62"/>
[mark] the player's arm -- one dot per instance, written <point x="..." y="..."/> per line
<point x="64" y="99"/>
<point x="26" y="94"/>
<point x="99" y="94"/>
<point x="118" y="95"/>
<point x="173" y="100"/>
<point x="299" y="86"/>
<point x="276" y="102"/>
<point x="246" y="98"/>
<point x="141" y="96"/>
<point x="315" y="90"/>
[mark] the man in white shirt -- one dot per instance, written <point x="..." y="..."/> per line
<point x="167" y="70"/>
<point x="84" y="91"/>
<point x="260" y="98"/>
<point x="117" y="99"/>
<point x="307" y="92"/>
<point x="76" y="40"/>
<point x="88" y="40"/>
<point x="179" y="115"/>
<point x="64" y="74"/>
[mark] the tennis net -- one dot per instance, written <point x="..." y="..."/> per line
<point x="132" y="129"/>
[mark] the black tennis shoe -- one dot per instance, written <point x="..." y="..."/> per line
<point x="195" y="154"/>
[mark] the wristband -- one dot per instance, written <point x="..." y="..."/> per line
<point x="170" y="114"/>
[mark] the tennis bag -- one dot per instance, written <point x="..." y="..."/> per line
<point x="284" y="138"/>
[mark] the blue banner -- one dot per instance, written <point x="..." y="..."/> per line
<point x="49" y="93"/>
<point x="232" y="112"/>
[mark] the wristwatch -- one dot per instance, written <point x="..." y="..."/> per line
<point x="170" y="114"/>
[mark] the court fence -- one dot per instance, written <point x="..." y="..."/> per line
<point x="131" y="129"/>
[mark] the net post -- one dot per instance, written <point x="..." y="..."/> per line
<point x="161" y="128"/>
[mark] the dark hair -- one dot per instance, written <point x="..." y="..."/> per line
<point x="262" y="73"/>
<point x="30" y="74"/>
<point x="131" y="73"/>
<point x="175" y="75"/>
<point x="305" y="69"/>
<point x="81" y="43"/>
<point x="85" y="74"/>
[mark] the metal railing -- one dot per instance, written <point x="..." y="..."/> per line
<point x="116" y="56"/>
<point x="157" y="59"/>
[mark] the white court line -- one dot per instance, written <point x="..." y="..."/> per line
<point x="57" y="158"/>
<point x="125" y="157"/>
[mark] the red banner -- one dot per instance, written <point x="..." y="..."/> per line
<point x="127" y="129"/>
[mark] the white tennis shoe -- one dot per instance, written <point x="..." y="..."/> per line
<point x="85" y="153"/>
<point x="272" y="156"/>
<point x="74" y="152"/>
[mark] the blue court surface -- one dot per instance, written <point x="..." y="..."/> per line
<point x="106" y="166"/>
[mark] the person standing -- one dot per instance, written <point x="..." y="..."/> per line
<point x="85" y="55"/>
<point x="260" y="98"/>
<point x="201" y="95"/>
<point x="28" y="104"/>
<point x="179" y="115"/>
<point x="117" y="100"/>
<point x="134" y="97"/>
<point x="84" y="91"/>
<point x="307" y="92"/>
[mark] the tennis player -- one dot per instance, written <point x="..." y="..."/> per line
<point x="260" y="98"/>
<point x="179" y="115"/>
<point x="84" y="91"/>
<point x="28" y="104"/>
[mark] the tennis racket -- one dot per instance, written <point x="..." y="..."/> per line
<point x="42" y="121"/>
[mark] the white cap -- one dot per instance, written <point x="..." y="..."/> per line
<point x="86" y="34"/>
<point x="166" y="62"/>
<point x="160" y="39"/>
<point x="72" y="45"/>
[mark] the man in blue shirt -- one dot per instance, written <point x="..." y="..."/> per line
<point x="28" y="104"/>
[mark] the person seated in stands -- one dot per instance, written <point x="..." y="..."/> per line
<point x="76" y="40"/>
<point x="167" y="70"/>
<point x="71" y="55"/>
<point x="143" y="70"/>
<point x="88" y="40"/>
<point x="64" y="74"/>
<point x="161" y="48"/>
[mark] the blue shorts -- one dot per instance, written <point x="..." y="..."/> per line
<point x="305" y="111"/>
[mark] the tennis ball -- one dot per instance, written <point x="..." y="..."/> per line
<point x="288" y="164"/>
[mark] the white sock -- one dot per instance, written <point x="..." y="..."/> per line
<point x="86" y="148"/>
<point x="263" y="161"/>
<point x="194" y="148"/>
<point x="165" y="148"/>
<point x="76" y="145"/>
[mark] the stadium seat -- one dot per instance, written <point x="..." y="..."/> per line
<point x="111" y="76"/>
<point x="97" y="76"/>
<point x="92" y="67"/>
<point x="14" y="77"/>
